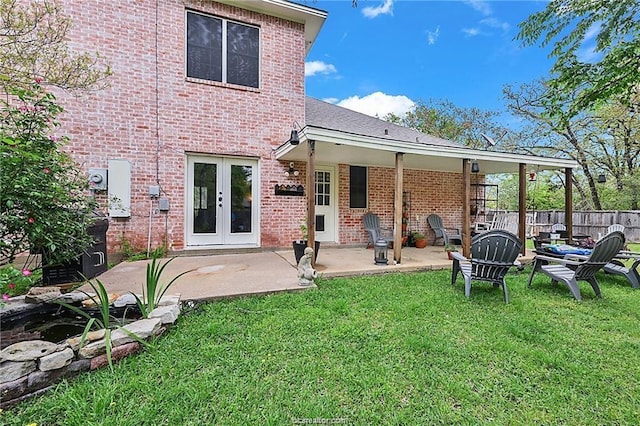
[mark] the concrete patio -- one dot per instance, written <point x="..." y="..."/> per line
<point x="261" y="272"/>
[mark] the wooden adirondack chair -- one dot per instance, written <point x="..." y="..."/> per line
<point x="573" y="268"/>
<point x="493" y="253"/>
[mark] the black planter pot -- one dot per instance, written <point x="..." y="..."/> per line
<point x="300" y="245"/>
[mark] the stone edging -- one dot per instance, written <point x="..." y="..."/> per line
<point x="31" y="367"/>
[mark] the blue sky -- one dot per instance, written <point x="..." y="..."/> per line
<point x="386" y="54"/>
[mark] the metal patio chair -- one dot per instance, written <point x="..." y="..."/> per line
<point x="493" y="253"/>
<point x="573" y="268"/>
<point x="371" y="223"/>
<point x="435" y="222"/>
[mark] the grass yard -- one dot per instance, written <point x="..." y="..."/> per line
<point x="387" y="349"/>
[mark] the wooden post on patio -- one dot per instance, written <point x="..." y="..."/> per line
<point x="311" y="198"/>
<point x="522" y="206"/>
<point x="466" y="210"/>
<point x="397" y="211"/>
<point x="568" y="202"/>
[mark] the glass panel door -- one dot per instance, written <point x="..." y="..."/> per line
<point x="221" y="207"/>
<point x="240" y="206"/>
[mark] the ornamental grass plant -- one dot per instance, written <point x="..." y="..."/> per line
<point x="382" y="349"/>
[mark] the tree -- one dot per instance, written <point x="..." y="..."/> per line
<point x="603" y="141"/>
<point x="44" y="203"/>
<point x="443" y="119"/>
<point x="568" y="24"/>
<point x="33" y="44"/>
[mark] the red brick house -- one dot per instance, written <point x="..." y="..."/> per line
<point x="190" y="137"/>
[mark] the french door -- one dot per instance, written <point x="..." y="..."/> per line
<point x="222" y="201"/>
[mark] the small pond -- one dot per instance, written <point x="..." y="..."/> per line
<point x="54" y="323"/>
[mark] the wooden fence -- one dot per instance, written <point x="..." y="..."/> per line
<point x="592" y="222"/>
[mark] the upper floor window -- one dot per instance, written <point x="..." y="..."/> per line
<point x="222" y="50"/>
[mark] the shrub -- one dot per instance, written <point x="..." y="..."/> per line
<point x="44" y="201"/>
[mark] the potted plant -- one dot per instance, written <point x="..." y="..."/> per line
<point x="300" y="245"/>
<point x="405" y="222"/>
<point x="450" y="248"/>
<point x="419" y="239"/>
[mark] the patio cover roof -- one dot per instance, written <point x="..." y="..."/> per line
<point x="344" y="136"/>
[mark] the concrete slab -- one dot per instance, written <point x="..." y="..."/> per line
<point x="228" y="275"/>
<point x="210" y="277"/>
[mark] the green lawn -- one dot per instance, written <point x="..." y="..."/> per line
<point x="388" y="349"/>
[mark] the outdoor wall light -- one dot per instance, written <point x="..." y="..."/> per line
<point x="291" y="171"/>
<point x="294" y="139"/>
<point x="602" y="179"/>
<point x="475" y="167"/>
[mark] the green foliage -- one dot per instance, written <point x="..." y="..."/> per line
<point x="101" y="300"/>
<point x="443" y="119"/>
<point x="34" y="45"/>
<point x="569" y="25"/>
<point x="153" y="290"/>
<point x="417" y="236"/>
<point x="15" y="282"/>
<point x="44" y="203"/>
<point x="131" y="254"/>
<point x="601" y="141"/>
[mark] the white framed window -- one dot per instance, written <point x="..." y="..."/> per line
<point x="221" y="50"/>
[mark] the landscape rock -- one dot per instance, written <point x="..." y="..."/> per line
<point x="56" y="360"/>
<point x="126" y="299"/>
<point x="172" y="299"/>
<point x="143" y="329"/>
<point x="90" y="303"/>
<point x="27" y="351"/>
<point x="73" y="297"/>
<point x="93" y="349"/>
<point x="167" y="314"/>
<point x="91" y="336"/>
<point x="13" y="389"/>
<point x="117" y="353"/>
<point x="42" y="294"/>
<point x="10" y="370"/>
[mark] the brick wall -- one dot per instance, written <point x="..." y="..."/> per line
<point x="430" y="192"/>
<point x="119" y="122"/>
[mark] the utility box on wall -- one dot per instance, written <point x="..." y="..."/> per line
<point x="98" y="179"/>
<point x="120" y="188"/>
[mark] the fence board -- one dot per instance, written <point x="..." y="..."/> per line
<point x="593" y="223"/>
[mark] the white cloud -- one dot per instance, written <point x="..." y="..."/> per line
<point x="385" y="8"/>
<point x="471" y="32"/>
<point x="318" y="67"/>
<point x="432" y="36"/>
<point x="588" y="54"/>
<point x="481" y="6"/>
<point x="378" y="104"/>
<point x="593" y="31"/>
<point x="495" y="23"/>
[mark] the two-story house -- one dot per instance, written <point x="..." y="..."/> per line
<point x="190" y="143"/>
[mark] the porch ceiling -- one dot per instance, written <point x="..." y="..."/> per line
<point x="332" y="147"/>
